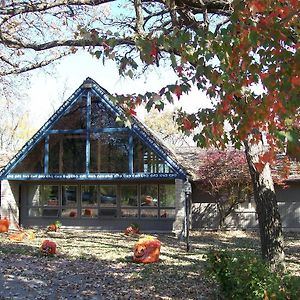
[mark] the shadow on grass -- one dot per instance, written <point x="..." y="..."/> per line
<point x="58" y="277"/>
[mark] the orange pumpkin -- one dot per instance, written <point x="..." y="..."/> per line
<point x="52" y="227"/>
<point x="48" y="247"/>
<point x="132" y="229"/>
<point x="146" y="250"/>
<point x="4" y="225"/>
<point x="17" y="237"/>
<point x="87" y="212"/>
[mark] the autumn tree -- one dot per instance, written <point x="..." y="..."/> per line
<point x="164" y="124"/>
<point x="14" y="123"/>
<point x="243" y="54"/>
<point x="225" y="176"/>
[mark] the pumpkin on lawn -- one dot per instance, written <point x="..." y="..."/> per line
<point x="48" y="247"/>
<point x="147" y="250"/>
<point x="4" y="225"/>
<point x="17" y="236"/>
<point x="132" y="229"/>
<point x="54" y="226"/>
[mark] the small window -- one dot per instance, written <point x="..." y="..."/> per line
<point x="108" y="196"/>
<point x="167" y="195"/>
<point x="128" y="195"/>
<point x="69" y="195"/>
<point x="149" y="195"/>
<point x="88" y="195"/>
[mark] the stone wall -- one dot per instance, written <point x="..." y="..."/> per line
<point x="10" y="201"/>
<point x="179" y="223"/>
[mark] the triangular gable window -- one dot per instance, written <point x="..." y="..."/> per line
<point x="85" y="140"/>
<point x="74" y="117"/>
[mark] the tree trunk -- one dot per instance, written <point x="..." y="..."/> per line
<point x="267" y="209"/>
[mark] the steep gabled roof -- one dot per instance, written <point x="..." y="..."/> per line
<point x="141" y="131"/>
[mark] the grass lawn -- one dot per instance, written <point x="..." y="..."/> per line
<point x="98" y="265"/>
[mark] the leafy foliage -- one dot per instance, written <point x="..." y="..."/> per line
<point x="164" y="125"/>
<point x="225" y="175"/>
<point x="247" y="64"/>
<point x="243" y="275"/>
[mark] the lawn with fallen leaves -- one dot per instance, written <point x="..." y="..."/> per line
<point x="98" y="265"/>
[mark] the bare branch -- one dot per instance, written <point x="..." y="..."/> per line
<point x="139" y="16"/>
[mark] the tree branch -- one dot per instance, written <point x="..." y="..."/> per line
<point x="139" y="16"/>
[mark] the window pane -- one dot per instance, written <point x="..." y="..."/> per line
<point x="74" y="118"/>
<point x="46" y="195"/>
<point x="43" y="212"/>
<point x="55" y="150"/>
<point x="101" y="116"/>
<point x="167" y="195"/>
<point x="69" y="195"/>
<point x="146" y="161"/>
<point x="108" y="212"/>
<point x="167" y="213"/>
<point x="129" y="213"/>
<point x="89" y="195"/>
<point x="149" y="195"/>
<point x="109" y="153"/>
<point x="149" y="213"/>
<point x="73" y="154"/>
<point x="35" y="195"/>
<point x="50" y="212"/>
<point x="51" y="195"/>
<point x="89" y="212"/>
<point x="108" y="195"/>
<point x="128" y="195"/>
<point x="33" y="162"/>
<point x="35" y="212"/>
<point x="69" y="213"/>
<point x="67" y="153"/>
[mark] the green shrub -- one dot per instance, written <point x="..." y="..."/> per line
<point x="244" y="275"/>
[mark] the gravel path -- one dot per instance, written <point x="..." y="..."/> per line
<point x="98" y="265"/>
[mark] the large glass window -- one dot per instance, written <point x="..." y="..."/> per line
<point x="109" y="153"/>
<point x="102" y="201"/>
